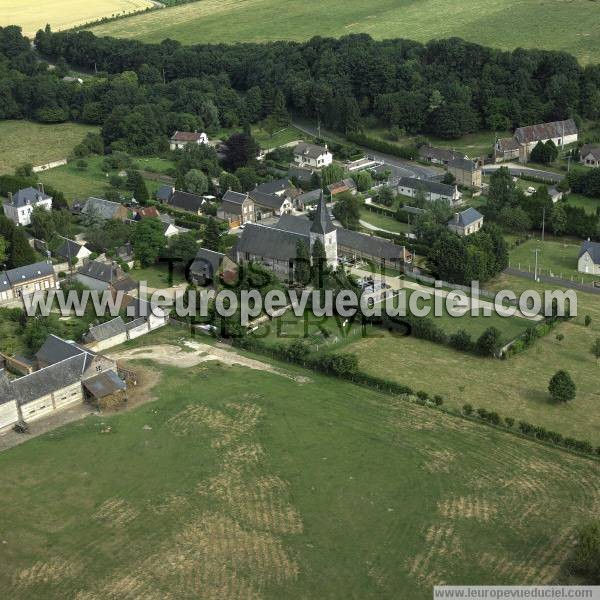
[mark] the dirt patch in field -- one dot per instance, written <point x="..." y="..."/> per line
<point x="470" y="507"/>
<point x="53" y="571"/>
<point x="196" y="353"/>
<point x="439" y="461"/>
<point x="116" y="512"/>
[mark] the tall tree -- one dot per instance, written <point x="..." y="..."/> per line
<point x="212" y="238"/>
<point x="562" y="387"/>
<point x="148" y="241"/>
<point x="302" y="264"/>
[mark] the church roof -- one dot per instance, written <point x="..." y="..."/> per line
<point x="322" y="222"/>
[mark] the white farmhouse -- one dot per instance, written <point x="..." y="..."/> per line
<point x="311" y="155"/>
<point x="19" y="206"/>
<point x="467" y="222"/>
<point x="432" y="190"/>
<point x="181" y="139"/>
<point x="590" y="155"/>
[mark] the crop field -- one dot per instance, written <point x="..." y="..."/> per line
<point x="516" y="387"/>
<point x="32" y="15"/>
<point x="24" y="142"/>
<point x="234" y="482"/>
<point x="507" y="24"/>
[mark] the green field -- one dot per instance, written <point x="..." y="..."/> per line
<point x="384" y="222"/>
<point x="32" y="15"/>
<point x="558" y="257"/>
<point x="591" y="205"/>
<point x="507" y="24"/>
<point x="236" y="483"/>
<point x="23" y="142"/>
<point x="516" y="387"/>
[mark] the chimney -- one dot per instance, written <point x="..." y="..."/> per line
<point x="10" y="197"/>
<point x="41" y="188"/>
<point x="456" y="218"/>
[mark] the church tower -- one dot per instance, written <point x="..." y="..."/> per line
<point x="324" y="230"/>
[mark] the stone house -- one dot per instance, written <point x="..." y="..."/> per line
<point x="106" y="209"/>
<point x="312" y="155"/>
<point x="589" y="155"/>
<point x="237" y="209"/>
<point x="180" y="139"/>
<point x="19" y="282"/>
<point x="466" y="222"/>
<point x="589" y="258"/>
<point x="432" y="190"/>
<point x="466" y="172"/>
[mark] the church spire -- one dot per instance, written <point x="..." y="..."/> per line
<point x="322" y="223"/>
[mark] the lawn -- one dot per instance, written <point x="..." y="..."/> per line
<point x="557" y="257"/>
<point x="157" y="276"/>
<point x="516" y="387"/>
<point x="32" y="15"/>
<point x="264" y="138"/>
<point x="500" y="23"/>
<point x="591" y="205"/>
<point x="79" y="184"/>
<point x="24" y="142"/>
<point x="384" y="222"/>
<point x="240" y="483"/>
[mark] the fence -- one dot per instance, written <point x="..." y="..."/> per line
<point x="547" y="276"/>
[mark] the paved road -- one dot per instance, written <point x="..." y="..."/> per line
<point x="518" y="170"/>
<point x="398" y="166"/>
<point x="556" y="281"/>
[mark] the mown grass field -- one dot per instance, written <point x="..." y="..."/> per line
<point x="517" y="387"/>
<point x="507" y="24"/>
<point x="240" y="483"/>
<point x="24" y="142"/>
<point x="32" y="15"/>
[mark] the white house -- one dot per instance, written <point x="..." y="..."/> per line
<point x="181" y="139"/>
<point x="467" y="222"/>
<point x="73" y="251"/>
<point x="589" y="258"/>
<point x="432" y="190"/>
<point x="311" y="155"/>
<point x="19" y="206"/>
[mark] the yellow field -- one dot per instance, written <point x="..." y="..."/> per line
<point x="32" y="15"/>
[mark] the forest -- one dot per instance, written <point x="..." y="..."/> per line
<point x="445" y="88"/>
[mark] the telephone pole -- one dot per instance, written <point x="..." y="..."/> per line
<point x="543" y="223"/>
<point x="535" y="274"/>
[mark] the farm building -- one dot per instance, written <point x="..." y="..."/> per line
<point x="19" y="206"/>
<point x="73" y="252"/>
<point x="207" y="265"/>
<point x="103" y="276"/>
<point x="439" y="156"/>
<point x="105" y="209"/>
<point x="525" y="139"/>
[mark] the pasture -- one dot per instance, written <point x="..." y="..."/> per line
<point x="32" y="15"/>
<point x="23" y="142"/>
<point x="229" y="482"/>
<point x="505" y="24"/>
<point x="516" y="387"/>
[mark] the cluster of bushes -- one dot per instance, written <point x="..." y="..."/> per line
<point x="532" y="334"/>
<point x="407" y="152"/>
<point x="532" y="431"/>
<point x="586" y="182"/>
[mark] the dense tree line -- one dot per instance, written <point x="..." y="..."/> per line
<point x="446" y="87"/>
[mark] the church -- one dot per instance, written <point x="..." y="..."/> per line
<point x="275" y="246"/>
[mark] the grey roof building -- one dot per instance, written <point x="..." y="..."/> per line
<point x="438" y="155"/>
<point x="593" y="249"/>
<point x="55" y="350"/>
<point x="26" y="273"/>
<point x="105" y="208"/>
<point x="546" y="131"/>
<point x="29" y="196"/>
<point x="307" y="198"/>
<point x="106" y="331"/>
<point x="322" y="222"/>
<point x="278" y="186"/>
<point x="186" y="201"/>
<point x="164" y="193"/>
<point x="104" y="384"/>
<point x="466" y="217"/>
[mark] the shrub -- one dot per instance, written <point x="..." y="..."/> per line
<point x="562" y="387"/>
<point x="489" y="342"/>
<point x="438" y="400"/>
<point x="586" y="556"/>
<point x="461" y="340"/>
<point x="423" y="396"/>
<point x="560" y="337"/>
<point x="467" y="409"/>
<point x="509" y="421"/>
<point x="588" y="320"/>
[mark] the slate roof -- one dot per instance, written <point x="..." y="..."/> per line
<point x="269" y="242"/>
<point x="234" y="197"/>
<point x="272" y="201"/>
<point x="368" y="244"/>
<point x="507" y="144"/>
<point x="106" y="208"/>
<point x="106" y="272"/>
<point x="300" y="174"/>
<point x="427" y="186"/>
<point x="29" y="196"/>
<point x="104" y="384"/>
<point x="12" y="277"/>
<point x="466" y="218"/>
<point x="272" y="187"/>
<point x="588" y="149"/>
<point x="310" y="150"/>
<point x="545" y="131"/>
<point x="70" y="249"/>
<point x="165" y="192"/>
<point x="322" y="222"/>
<point x="593" y="248"/>
<point x="6" y="391"/>
<point x="55" y="350"/>
<point x="441" y="154"/>
<point x="49" y="379"/>
<point x="464" y="164"/>
<point x="186" y="201"/>
<point x="205" y="256"/>
<point x="107" y="330"/>
<point x="135" y="323"/>
<point x="311" y="197"/>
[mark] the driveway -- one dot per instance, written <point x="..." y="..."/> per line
<point x="517" y="170"/>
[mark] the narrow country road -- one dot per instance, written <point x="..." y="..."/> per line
<point x="517" y="170"/>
